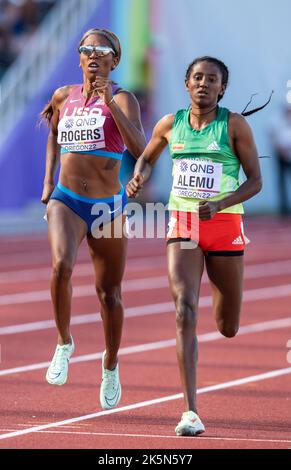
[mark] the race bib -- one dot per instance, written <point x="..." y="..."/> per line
<point x="196" y="178"/>
<point x="82" y="133"/>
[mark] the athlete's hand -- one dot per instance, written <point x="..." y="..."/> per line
<point x="207" y="209"/>
<point x="134" y="186"/>
<point x="103" y="88"/>
<point x="47" y="191"/>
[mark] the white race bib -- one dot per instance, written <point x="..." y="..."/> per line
<point x="196" y="178"/>
<point x="82" y="133"/>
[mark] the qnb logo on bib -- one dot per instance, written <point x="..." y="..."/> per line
<point x="183" y="166"/>
<point x="69" y="123"/>
<point x="197" y="178"/>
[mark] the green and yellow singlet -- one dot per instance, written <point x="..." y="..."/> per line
<point x="204" y="165"/>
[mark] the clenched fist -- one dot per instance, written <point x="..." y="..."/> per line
<point x="134" y="186"/>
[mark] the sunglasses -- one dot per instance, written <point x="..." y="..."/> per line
<point x="101" y="51"/>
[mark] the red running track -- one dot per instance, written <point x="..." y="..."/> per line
<point x="244" y="382"/>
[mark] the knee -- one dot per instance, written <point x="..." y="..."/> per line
<point x="62" y="270"/>
<point x="229" y="331"/>
<point x="186" y="316"/>
<point x="109" y="298"/>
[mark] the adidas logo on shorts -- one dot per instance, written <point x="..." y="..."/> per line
<point x="238" y="241"/>
<point x="213" y="146"/>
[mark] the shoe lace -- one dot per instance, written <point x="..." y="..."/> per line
<point x="111" y="378"/>
<point x="60" y="357"/>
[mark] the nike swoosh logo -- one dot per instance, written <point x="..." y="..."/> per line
<point x="112" y="401"/>
<point x="54" y="376"/>
<point x="112" y="212"/>
<point x="74" y="101"/>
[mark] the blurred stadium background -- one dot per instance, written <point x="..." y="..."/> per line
<point x="38" y="53"/>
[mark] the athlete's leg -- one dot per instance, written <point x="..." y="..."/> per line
<point x="226" y="277"/>
<point x="185" y="268"/>
<point x="66" y="231"/>
<point x="108" y="256"/>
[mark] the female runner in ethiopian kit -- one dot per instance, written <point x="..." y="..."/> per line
<point x="208" y="145"/>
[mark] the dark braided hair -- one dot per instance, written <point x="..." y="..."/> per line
<point x="224" y="78"/>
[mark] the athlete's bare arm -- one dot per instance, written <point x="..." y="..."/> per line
<point x="244" y="147"/>
<point x="143" y="168"/>
<point x="52" y="149"/>
<point x="126" y="113"/>
<point x="125" y="110"/>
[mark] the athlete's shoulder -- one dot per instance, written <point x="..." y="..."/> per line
<point x="124" y="95"/>
<point x="119" y="91"/>
<point x="166" y="122"/>
<point x="236" y="119"/>
<point x="164" y="126"/>
<point x="62" y="93"/>
<point x="237" y="124"/>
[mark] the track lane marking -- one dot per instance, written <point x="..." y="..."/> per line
<point x="155" y="401"/>
<point x="32" y="255"/>
<point x="132" y="285"/>
<point x="158" y="436"/>
<point x="163" y="436"/>
<point x="202" y="338"/>
<point x="268" y="269"/>
<point x="142" y="310"/>
<point x="81" y="269"/>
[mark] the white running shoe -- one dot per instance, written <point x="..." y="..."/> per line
<point x="110" y="390"/>
<point x="57" y="372"/>
<point x="190" y="425"/>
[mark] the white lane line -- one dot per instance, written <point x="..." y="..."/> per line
<point x="42" y="256"/>
<point x="155" y="401"/>
<point x="268" y="269"/>
<point x="255" y="271"/>
<point x="134" y="285"/>
<point x="80" y="270"/>
<point x="162" y="436"/>
<point x="88" y="290"/>
<point x="37" y="257"/>
<point x="73" y="426"/>
<point x="138" y="311"/>
<point x="203" y="338"/>
<point x="94" y="356"/>
<point x="152" y="309"/>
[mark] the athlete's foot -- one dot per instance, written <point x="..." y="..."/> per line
<point x="110" y="390"/>
<point x="57" y="372"/>
<point x="190" y="425"/>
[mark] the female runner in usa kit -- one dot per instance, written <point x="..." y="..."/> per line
<point x="90" y="125"/>
<point x="208" y="145"/>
